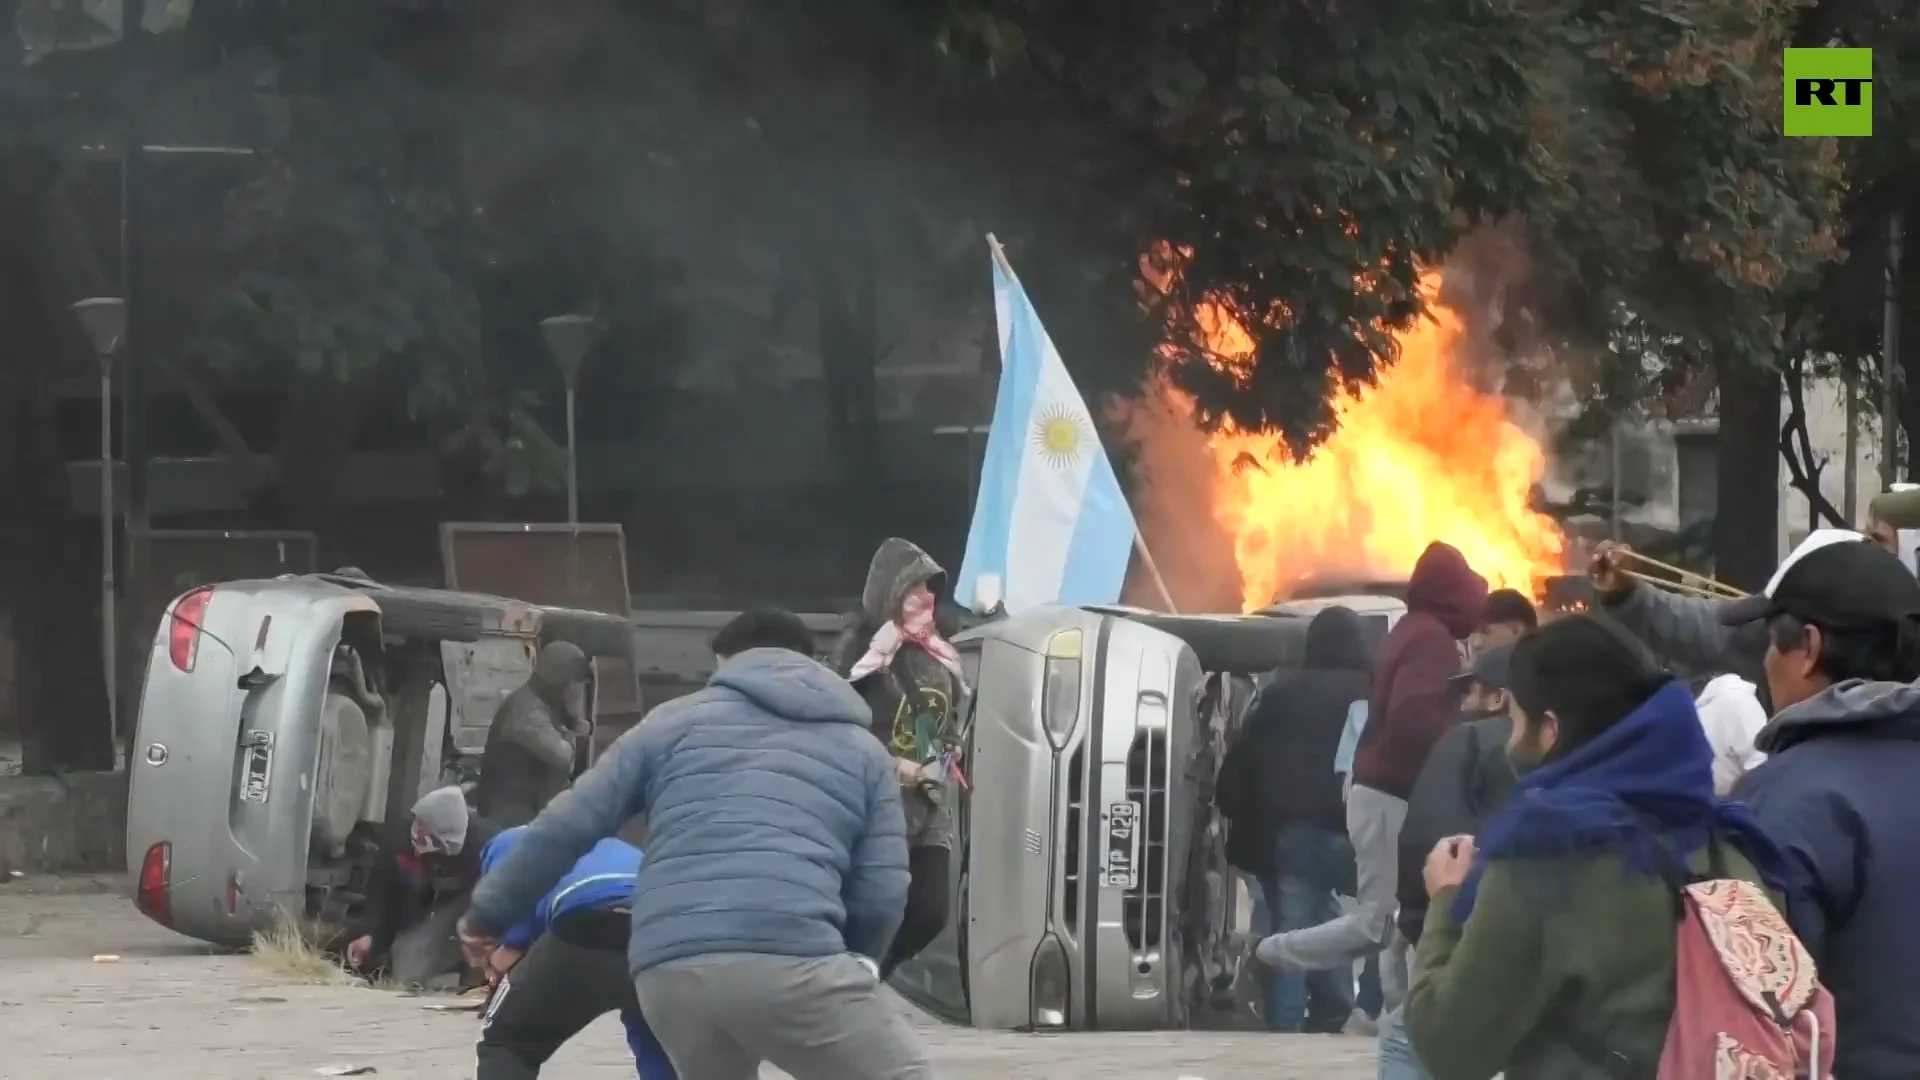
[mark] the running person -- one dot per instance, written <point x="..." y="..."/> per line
<point x="565" y="967"/>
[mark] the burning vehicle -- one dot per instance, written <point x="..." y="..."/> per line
<point x="1092" y="888"/>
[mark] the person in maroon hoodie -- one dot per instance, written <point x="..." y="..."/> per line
<point x="1410" y="705"/>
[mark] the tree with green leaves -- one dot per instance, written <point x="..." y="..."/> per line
<point x="432" y="179"/>
<point x="1839" y="322"/>
<point x="1314" y="158"/>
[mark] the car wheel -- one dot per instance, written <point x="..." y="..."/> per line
<point x="346" y="770"/>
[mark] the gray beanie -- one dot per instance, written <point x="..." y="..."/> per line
<point x="442" y="814"/>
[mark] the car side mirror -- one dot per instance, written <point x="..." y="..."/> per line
<point x="986" y="594"/>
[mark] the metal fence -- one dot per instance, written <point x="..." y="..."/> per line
<point x="558" y="565"/>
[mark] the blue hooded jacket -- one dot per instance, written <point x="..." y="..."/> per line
<point x="603" y="878"/>
<point x="774" y="818"/>
<point x="1837" y="792"/>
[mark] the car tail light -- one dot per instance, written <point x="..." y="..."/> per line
<point x="155" y="871"/>
<point x="183" y="627"/>
<point x="1047" y="984"/>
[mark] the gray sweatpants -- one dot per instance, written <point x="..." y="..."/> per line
<point x="818" y="1018"/>
<point x="1364" y="926"/>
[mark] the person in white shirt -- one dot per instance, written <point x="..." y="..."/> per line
<point x="1731" y="714"/>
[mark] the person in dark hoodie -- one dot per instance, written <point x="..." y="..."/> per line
<point x="896" y="654"/>
<point x="1837" y="790"/>
<point x="531" y="746"/>
<point x="1466" y="778"/>
<point x="1278" y="782"/>
<point x="1410" y="706"/>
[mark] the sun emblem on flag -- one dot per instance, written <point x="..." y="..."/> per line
<point x="1061" y="435"/>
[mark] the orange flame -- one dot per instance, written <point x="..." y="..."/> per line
<point x="1421" y="456"/>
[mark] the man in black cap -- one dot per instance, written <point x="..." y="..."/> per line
<point x="1840" y="789"/>
<point x="1466" y="778"/>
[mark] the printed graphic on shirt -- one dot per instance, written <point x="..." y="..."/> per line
<point x="919" y="724"/>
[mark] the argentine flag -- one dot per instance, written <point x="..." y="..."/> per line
<point x="1050" y="520"/>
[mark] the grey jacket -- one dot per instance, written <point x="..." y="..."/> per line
<point x="775" y="822"/>
<point x="1686" y="630"/>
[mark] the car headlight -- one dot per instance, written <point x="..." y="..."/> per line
<point x="1060" y="689"/>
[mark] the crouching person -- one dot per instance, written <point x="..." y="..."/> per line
<point x="422" y="878"/>
<point x="776" y="869"/>
<point x="565" y="966"/>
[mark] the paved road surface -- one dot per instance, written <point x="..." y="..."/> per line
<point x="168" y="1010"/>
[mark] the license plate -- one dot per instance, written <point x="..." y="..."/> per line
<point x="1121" y="870"/>
<point x="256" y="766"/>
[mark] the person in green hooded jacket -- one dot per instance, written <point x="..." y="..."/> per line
<point x="1548" y="950"/>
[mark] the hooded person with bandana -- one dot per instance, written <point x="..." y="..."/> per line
<point x="531" y="747"/>
<point x="897" y="656"/>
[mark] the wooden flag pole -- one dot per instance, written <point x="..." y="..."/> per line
<point x="1153" y="570"/>
<point x="1139" y="541"/>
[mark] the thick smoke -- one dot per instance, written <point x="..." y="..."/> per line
<point x="1173" y="500"/>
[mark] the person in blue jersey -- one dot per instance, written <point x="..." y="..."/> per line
<point x="565" y="966"/>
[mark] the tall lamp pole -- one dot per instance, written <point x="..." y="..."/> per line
<point x="569" y="337"/>
<point x="104" y="318"/>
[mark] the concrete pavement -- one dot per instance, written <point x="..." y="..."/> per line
<point x="169" y="1009"/>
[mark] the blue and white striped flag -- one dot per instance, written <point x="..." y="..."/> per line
<point x="1050" y="520"/>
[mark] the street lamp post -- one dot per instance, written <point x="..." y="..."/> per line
<point x="569" y="337"/>
<point x="104" y="318"/>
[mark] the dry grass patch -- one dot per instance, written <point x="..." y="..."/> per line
<point x="291" y="952"/>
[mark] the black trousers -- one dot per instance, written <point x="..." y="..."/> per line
<point x="573" y="975"/>
<point x="929" y="896"/>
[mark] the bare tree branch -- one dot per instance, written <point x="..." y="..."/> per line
<point x="1796" y="448"/>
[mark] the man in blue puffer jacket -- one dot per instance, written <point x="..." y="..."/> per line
<point x="776" y="870"/>
<point x="564" y="966"/>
